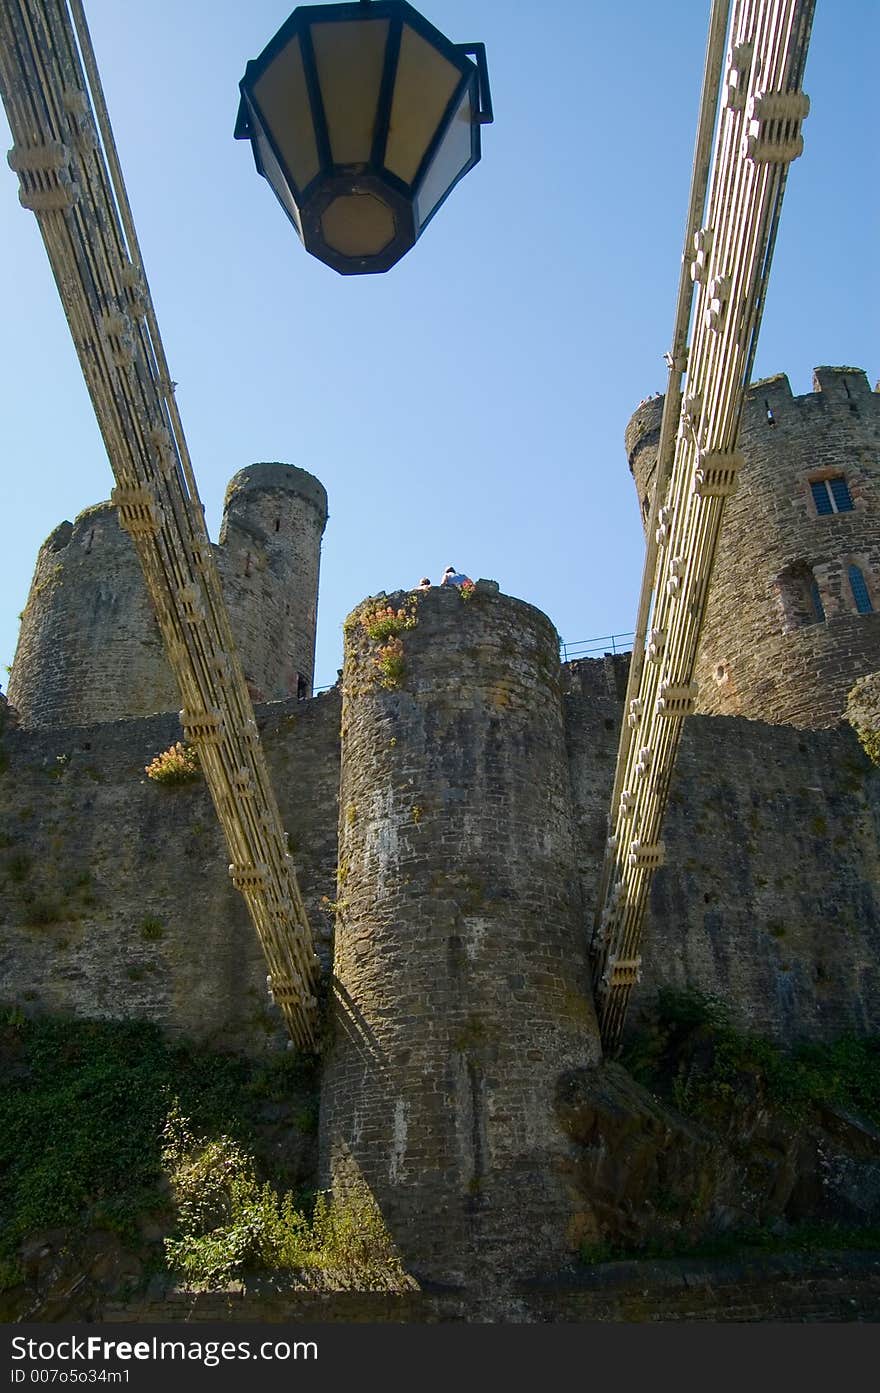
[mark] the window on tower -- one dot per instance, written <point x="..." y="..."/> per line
<point x="859" y="588"/>
<point x="799" y="597"/>
<point x="831" y="495"/>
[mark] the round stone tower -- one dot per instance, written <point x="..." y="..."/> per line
<point x="269" y="556"/>
<point x="89" y="647"/>
<point x="460" y="958"/>
<point x="794" y="604"/>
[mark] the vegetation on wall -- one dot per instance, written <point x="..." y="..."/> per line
<point x="179" y="764"/>
<point x="863" y="714"/>
<point x="382" y="626"/>
<point x="688" y="1052"/>
<point x="231" y="1224"/>
<point x="84" y="1119"/>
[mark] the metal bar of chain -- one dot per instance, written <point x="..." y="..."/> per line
<point x="758" y="135"/>
<point x="676" y="361"/>
<point x="70" y="178"/>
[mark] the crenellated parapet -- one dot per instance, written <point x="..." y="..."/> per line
<point x="794" y="607"/>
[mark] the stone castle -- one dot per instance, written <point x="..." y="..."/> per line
<point x="448" y="823"/>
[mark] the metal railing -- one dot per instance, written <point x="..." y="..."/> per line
<point x="608" y="643"/>
<point x="568" y="652"/>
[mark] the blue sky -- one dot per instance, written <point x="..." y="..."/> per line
<point x="468" y="407"/>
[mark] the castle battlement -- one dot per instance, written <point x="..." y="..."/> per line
<point x="794" y="603"/>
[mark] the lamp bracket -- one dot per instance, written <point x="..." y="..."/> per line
<point x="485" y="116"/>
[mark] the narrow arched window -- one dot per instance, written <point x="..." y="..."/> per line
<point x="860" y="591"/>
<point x="799" y="596"/>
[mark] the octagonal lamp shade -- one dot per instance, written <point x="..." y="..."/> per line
<point x="363" y="117"/>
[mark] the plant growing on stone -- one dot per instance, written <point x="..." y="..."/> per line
<point x="229" y="1223"/>
<point x="179" y="764"/>
<point x="390" y="663"/>
<point x="382" y="624"/>
<point x="384" y="621"/>
<point x="863" y="714"/>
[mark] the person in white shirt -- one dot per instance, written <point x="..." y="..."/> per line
<point x="453" y="577"/>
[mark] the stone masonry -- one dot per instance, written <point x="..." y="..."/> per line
<point x="449" y="814"/>
<point x="783" y="639"/>
<point x="460" y="966"/>
<point x="469" y="828"/>
<point x="115" y="900"/>
<point x="769" y="896"/>
<point x="90" y="650"/>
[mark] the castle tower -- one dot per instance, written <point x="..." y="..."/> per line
<point x="794" y="605"/>
<point x="460" y="958"/>
<point x="269" y="556"/>
<point x="89" y="647"/>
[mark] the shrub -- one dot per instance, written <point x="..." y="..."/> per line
<point x="82" y="1111"/>
<point x="390" y="662"/>
<point x="690" y="1051"/>
<point x="177" y="765"/>
<point x="383" y="626"/>
<point x="384" y="621"/>
<point x="230" y="1223"/>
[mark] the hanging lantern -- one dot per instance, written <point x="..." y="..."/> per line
<point x="363" y="118"/>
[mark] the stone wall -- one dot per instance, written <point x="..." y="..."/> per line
<point x="89" y="648"/>
<point x="470" y="824"/>
<point x="460" y="972"/>
<point x="770" y="895"/>
<point x="863" y="714"/>
<point x="114" y="895"/>
<point x="832" y="1287"/>
<point x="783" y="640"/>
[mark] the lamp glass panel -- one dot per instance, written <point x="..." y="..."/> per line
<point x="277" y="179"/>
<point x="453" y="154"/>
<point x="358" y="224"/>
<point x="424" y="85"/>
<point x="349" y="57"/>
<point x="282" y="99"/>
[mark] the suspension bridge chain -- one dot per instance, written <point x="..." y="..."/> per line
<point x="68" y="168"/>
<point x="752" y="100"/>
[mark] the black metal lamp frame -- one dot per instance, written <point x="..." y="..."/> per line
<point x="333" y="180"/>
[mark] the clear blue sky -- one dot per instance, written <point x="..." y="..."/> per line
<point x="468" y="407"/>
